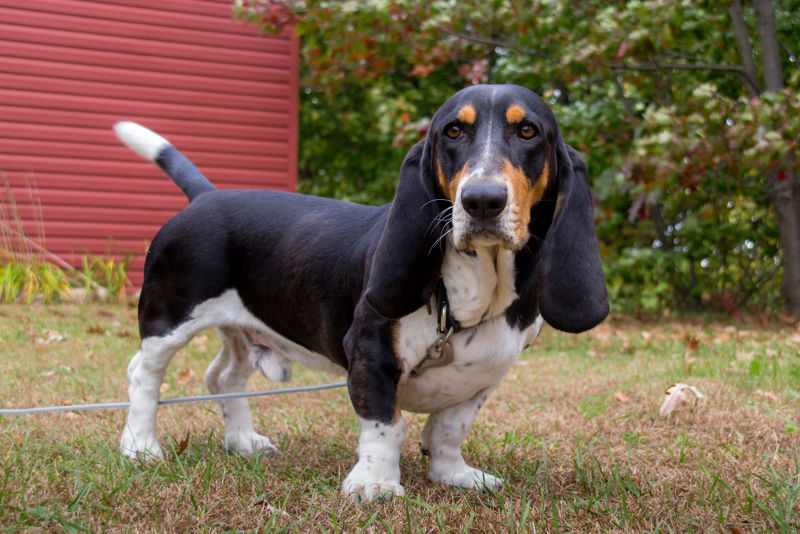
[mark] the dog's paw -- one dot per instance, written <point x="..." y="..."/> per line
<point x="465" y="476"/>
<point x="364" y="486"/>
<point x="140" y="449"/>
<point x="249" y="443"/>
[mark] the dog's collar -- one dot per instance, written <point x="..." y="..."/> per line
<point x="445" y="321"/>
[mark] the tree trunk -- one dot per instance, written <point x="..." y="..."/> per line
<point x="784" y="186"/>
<point x="745" y="49"/>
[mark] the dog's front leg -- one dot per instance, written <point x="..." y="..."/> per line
<point x="441" y="439"/>
<point x="372" y="377"/>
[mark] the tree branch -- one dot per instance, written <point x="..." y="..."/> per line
<point x="496" y="44"/>
<point x="653" y="67"/>
<point x="745" y="49"/>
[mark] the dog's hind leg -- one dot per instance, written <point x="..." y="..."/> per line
<point x="229" y="373"/>
<point x="145" y="373"/>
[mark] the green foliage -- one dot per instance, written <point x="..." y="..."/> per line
<point x="23" y="281"/>
<point x="106" y="273"/>
<point x="652" y="92"/>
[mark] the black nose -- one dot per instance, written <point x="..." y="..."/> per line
<point x="484" y="201"/>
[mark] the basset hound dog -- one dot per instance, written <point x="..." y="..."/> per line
<point x="424" y="303"/>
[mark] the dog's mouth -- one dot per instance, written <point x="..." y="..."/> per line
<point x="484" y="235"/>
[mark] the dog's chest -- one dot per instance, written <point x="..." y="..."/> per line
<point x="479" y="288"/>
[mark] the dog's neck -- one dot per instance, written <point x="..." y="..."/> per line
<point x="480" y="284"/>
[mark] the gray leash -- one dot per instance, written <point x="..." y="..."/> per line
<point x="178" y="400"/>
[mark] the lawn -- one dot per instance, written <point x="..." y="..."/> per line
<point x="574" y="429"/>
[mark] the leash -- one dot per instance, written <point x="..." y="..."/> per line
<point x="177" y="400"/>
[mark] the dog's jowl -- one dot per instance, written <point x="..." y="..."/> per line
<point x="423" y="303"/>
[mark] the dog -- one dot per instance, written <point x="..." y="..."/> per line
<point x="424" y="303"/>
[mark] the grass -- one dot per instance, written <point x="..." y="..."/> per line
<point x="574" y="429"/>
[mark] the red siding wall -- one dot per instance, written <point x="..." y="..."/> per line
<point x="70" y="69"/>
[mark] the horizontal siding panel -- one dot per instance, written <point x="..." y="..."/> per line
<point x="113" y="231"/>
<point x="197" y="81"/>
<point x="277" y="71"/>
<point x="199" y="7"/>
<point x="99" y="215"/>
<point x="227" y="178"/>
<point x="48" y="100"/>
<point x="103" y="136"/>
<point x="145" y="94"/>
<point x="167" y="127"/>
<point x="148" y="181"/>
<point x="147" y="47"/>
<point x="116" y="152"/>
<point x="153" y="17"/>
<point x="144" y="201"/>
<point x="237" y="38"/>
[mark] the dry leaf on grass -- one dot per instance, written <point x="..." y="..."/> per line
<point x="676" y="397"/>
<point x="186" y="376"/>
<point x="270" y="509"/>
<point x="184" y="443"/>
<point x="51" y="336"/>
<point x="768" y="394"/>
<point x="621" y="397"/>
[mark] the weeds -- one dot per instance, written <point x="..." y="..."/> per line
<point x="25" y="274"/>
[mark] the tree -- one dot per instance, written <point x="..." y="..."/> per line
<point x="688" y="150"/>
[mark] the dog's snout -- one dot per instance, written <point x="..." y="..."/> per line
<point x="484" y="201"/>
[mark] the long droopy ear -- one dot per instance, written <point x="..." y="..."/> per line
<point x="406" y="263"/>
<point x="572" y="293"/>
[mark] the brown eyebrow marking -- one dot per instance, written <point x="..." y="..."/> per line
<point x="515" y="114"/>
<point x="466" y="114"/>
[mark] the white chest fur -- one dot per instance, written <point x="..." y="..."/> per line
<point x="479" y="287"/>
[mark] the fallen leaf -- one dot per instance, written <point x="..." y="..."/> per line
<point x="768" y="394"/>
<point x="186" y="376"/>
<point x="269" y="508"/>
<point x="676" y="397"/>
<point x="50" y="336"/>
<point x="184" y="443"/>
<point x="97" y="329"/>
<point x="621" y="397"/>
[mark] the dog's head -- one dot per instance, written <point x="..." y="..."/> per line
<point x="493" y="151"/>
<point x="494" y="155"/>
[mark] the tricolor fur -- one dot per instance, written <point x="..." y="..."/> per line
<point x="492" y="202"/>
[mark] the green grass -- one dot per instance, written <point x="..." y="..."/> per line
<point x="574" y="429"/>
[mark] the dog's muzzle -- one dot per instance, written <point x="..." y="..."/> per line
<point x="483" y="212"/>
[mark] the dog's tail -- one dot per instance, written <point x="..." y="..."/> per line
<point x="152" y="146"/>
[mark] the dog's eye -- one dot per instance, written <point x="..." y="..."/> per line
<point x="526" y="131"/>
<point x="453" y="131"/>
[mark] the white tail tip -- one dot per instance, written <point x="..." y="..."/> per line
<point x="144" y="142"/>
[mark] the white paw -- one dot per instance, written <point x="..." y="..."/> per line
<point x="146" y="448"/>
<point x="466" y="477"/>
<point x="249" y="443"/>
<point x="363" y="485"/>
